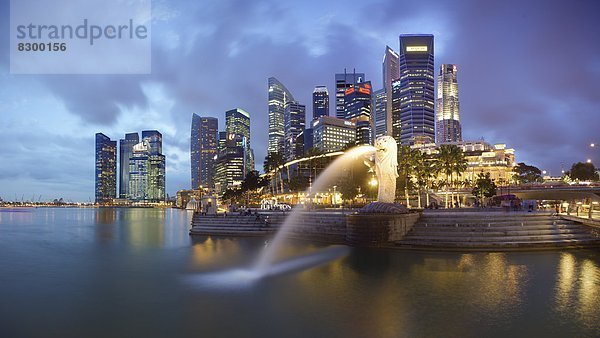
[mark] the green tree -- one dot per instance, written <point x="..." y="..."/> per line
<point x="484" y="186"/>
<point x="583" y="172"/>
<point x="527" y="174"/>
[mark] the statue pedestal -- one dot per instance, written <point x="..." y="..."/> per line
<point x="379" y="228"/>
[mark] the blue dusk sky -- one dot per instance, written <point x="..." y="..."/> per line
<point x="528" y="77"/>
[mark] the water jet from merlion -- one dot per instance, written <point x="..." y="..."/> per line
<point x="384" y="157"/>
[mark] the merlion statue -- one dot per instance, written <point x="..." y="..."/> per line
<point x="386" y="168"/>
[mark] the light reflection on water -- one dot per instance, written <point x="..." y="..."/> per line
<point x="107" y="272"/>
<point x="577" y="291"/>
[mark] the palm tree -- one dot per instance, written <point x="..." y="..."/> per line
<point x="459" y="167"/>
<point x="315" y="162"/>
<point x="451" y="160"/>
<point x="272" y="163"/>
<point x="407" y="163"/>
<point x="425" y="172"/>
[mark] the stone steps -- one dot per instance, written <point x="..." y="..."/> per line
<point x="307" y="225"/>
<point x="496" y="231"/>
<point x="492" y="233"/>
<point x="498" y="245"/>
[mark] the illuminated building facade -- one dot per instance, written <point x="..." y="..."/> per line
<point x="413" y="113"/>
<point x="203" y="150"/>
<point x="482" y="157"/>
<point x="230" y="166"/>
<point x="294" y="118"/>
<point x="237" y="121"/>
<point x="147" y="169"/>
<point x="125" y="152"/>
<point x="320" y="98"/>
<point x="342" y="83"/>
<point x="391" y="72"/>
<point x="279" y="96"/>
<point x="448" y="127"/>
<point x="333" y="134"/>
<point x="358" y="103"/>
<point x="106" y="169"/>
<point x="138" y="172"/>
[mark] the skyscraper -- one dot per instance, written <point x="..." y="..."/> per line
<point x="154" y="139"/>
<point x="294" y="118"/>
<point x="203" y="150"/>
<point x="448" y="127"/>
<point x="125" y="152"/>
<point x="413" y="113"/>
<point x="391" y="72"/>
<point x="138" y="172"/>
<point x="147" y="167"/>
<point x="106" y="169"/>
<point x="320" y="102"/>
<point x="237" y="121"/>
<point x="380" y="112"/>
<point x="230" y="166"/>
<point x="342" y="83"/>
<point x="279" y="96"/>
<point x="358" y="102"/>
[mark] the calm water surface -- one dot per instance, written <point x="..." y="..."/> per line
<point x="126" y="272"/>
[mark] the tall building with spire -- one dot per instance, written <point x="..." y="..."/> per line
<point x="106" y="169"/>
<point x="413" y="107"/>
<point x="448" y="127"/>
<point x="203" y="150"/>
<point x="279" y="96"/>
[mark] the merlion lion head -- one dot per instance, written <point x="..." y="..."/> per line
<point x="386" y="144"/>
<point x="386" y="156"/>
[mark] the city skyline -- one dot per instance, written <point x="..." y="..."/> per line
<point x="515" y="87"/>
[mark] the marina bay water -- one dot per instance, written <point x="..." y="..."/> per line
<point x="126" y="272"/>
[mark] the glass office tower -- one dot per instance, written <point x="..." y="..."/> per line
<point x="106" y="169"/>
<point x="203" y="150"/>
<point x="413" y="112"/>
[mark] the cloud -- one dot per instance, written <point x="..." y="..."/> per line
<point x="527" y="78"/>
